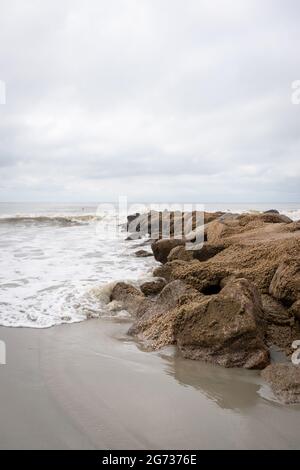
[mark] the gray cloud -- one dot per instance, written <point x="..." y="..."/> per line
<point x="168" y="100"/>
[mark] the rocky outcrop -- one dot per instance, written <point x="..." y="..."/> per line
<point x="173" y="224"/>
<point x="284" y="380"/>
<point x="222" y="329"/>
<point x="227" y="301"/>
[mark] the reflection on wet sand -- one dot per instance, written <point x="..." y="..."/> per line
<point x="234" y="389"/>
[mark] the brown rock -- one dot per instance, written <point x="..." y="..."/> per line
<point x="208" y="251"/>
<point x="158" y="324"/>
<point x="143" y="254"/>
<point x="274" y="312"/>
<point x="162" y="248"/>
<point x="207" y="309"/>
<point x="254" y="260"/>
<point x="272" y="218"/>
<point x="205" y="277"/>
<point x="271" y="211"/>
<point x="285" y="285"/>
<point x="153" y="287"/>
<point x="225" y="329"/>
<point x="131" y="298"/>
<point x="267" y="218"/>
<point x="284" y="380"/>
<point x="295" y="310"/>
<point x="179" y="252"/>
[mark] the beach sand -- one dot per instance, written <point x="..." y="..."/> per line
<point x="89" y="386"/>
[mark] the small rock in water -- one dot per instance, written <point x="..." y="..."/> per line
<point x="143" y="254"/>
<point x="66" y="318"/>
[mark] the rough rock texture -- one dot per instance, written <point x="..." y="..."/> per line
<point x="209" y="250"/>
<point x="285" y="284"/>
<point x="174" y="224"/>
<point x="255" y="259"/>
<point x="206" y="252"/>
<point x="225" y="329"/>
<point x="162" y="248"/>
<point x="228" y="301"/>
<point x="295" y="310"/>
<point x="153" y="287"/>
<point x="274" y="312"/>
<point x="131" y="298"/>
<point x="284" y="380"/>
<point x="158" y="323"/>
<point x="222" y="329"/>
<point x="179" y="252"/>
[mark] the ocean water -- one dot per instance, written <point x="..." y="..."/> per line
<point x="56" y="261"/>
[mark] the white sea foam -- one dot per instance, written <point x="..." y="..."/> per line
<point x="50" y="270"/>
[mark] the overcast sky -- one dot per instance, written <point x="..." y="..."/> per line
<point x="160" y="100"/>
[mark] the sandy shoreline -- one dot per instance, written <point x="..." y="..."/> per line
<point x="88" y="386"/>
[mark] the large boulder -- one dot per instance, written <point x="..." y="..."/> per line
<point x="272" y="211"/>
<point x="265" y="217"/>
<point x="130" y="298"/>
<point x="204" y="253"/>
<point x="219" y="229"/>
<point x="162" y="248"/>
<point x="225" y="330"/>
<point x="285" y="285"/>
<point x="272" y="218"/>
<point x="205" y="277"/>
<point x="157" y="325"/>
<point x="284" y="380"/>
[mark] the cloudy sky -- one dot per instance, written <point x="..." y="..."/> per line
<point x="159" y="100"/>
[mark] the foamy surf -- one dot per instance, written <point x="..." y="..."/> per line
<point x="57" y="266"/>
<point x="51" y="264"/>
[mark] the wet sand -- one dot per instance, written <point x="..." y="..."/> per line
<point x="89" y="386"/>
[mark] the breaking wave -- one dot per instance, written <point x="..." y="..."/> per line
<point x="64" y="220"/>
